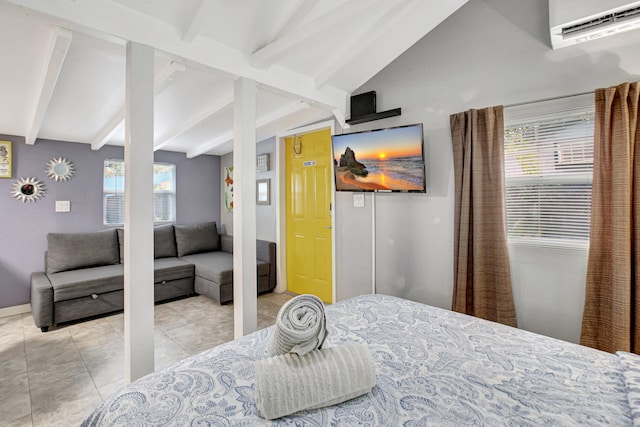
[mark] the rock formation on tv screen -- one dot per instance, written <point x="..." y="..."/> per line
<point x="348" y="160"/>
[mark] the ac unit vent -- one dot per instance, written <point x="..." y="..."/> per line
<point x="578" y="21"/>
<point x="601" y="21"/>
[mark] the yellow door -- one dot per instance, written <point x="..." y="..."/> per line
<point x="309" y="214"/>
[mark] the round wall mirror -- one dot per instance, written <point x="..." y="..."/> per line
<point x="60" y="169"/>
<point x="28" y="189"/>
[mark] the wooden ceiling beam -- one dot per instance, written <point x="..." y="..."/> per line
<point x="210" y="145"/>
<point x="418" y="19"/>
<point x="221" y="104"/>
<point x="56" y="54"/>
<point x="296" y="39"/>
<point x="113" y="20"/>
<point x="380" y="21"/>
<point x="162" y="79"/>
<point x="195" y="19"/>
<point x="260" y="122"/>
<point x="281" y="113"/>
<point x="297" y="18"/>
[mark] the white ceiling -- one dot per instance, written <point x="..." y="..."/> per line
<point x="63" y="63"/>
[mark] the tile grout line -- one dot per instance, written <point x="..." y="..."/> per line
<point x="269" y="307"/>
<point x="164" y="331"/>
<point x="84" y="361"/>
<point x="26" y="357"/>
<point x="176" y="343"/>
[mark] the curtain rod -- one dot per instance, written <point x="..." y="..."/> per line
<point x="547" y="99"/>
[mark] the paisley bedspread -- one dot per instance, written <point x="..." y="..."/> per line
<point x="434" y="367"/>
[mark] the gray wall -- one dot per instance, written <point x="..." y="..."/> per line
<point x="265" y="214"/>
<point x="489" y="52"/>
<point x="25" y="225"/>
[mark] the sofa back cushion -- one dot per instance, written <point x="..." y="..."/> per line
<point x="164" y="242"/>
<point x="70" y="251"/>
<point x="196" y="238"/>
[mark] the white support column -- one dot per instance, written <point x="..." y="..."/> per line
<point x="245" y="278"/>
<point x="138" y="220"/>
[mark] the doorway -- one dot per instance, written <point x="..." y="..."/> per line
<point x="306" y="219"/>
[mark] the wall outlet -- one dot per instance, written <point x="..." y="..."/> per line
<point x="63" y="206"/>
<point x="358" y="200"/>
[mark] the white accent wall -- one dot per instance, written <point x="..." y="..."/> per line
<point x="490" y="52"/>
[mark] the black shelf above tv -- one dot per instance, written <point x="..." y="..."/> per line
<point x="375" y="116"/>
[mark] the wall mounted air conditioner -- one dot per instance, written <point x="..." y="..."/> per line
<point x="577" y="21"/>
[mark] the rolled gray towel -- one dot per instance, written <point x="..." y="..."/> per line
<point x="301" y="326"/>
<point x="291" y="383"/>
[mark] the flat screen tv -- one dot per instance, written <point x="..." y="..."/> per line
<point x="387" y="160"/>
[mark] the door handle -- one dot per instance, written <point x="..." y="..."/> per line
<point x="328" y="226"/>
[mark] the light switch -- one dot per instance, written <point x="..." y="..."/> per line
<point x="358" y="200"/>
<point x="63" y="206"/>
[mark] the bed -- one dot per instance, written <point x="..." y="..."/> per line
<point x="434" y="367"/>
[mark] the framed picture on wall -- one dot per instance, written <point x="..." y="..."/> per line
<point x="263" y="192"/>
<point x="5" y="159"/>
<point x="228" y="188"/>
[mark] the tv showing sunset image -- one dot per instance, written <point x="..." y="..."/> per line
<point x="390" y="159"/>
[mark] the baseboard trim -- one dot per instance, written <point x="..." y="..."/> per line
<point x="16" y="309"/>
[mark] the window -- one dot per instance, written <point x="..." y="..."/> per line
<point x="164" y="192"/>
<point x="548" y="170"/>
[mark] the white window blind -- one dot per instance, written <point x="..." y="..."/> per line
<point x="164" y="191"/>
<point x="548" y="170"/>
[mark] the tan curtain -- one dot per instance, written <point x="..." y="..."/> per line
<point x="482" y="277"/>
<point x="611" y="310"/>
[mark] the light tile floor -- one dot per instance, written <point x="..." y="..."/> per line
<point x="57" y="378"/>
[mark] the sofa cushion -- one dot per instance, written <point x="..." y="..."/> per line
<point x="96" y="280"/>
<point x="263" y="268"/>
<point x="164" y="242"/>
<point x="86" y="281"/>
<point x="68" y="251"/>
<point x="166" y="269"/>
<point x="197" y="238"/>
<point x="214" y="266"/>
<point x="218" y="266"/>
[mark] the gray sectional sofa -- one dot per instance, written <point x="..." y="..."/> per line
<point x="214" y="269"/>
<point x="84" y="274"/>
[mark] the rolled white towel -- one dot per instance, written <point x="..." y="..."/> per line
<point x="301" y="326"/>
<point x="291" y="383"/>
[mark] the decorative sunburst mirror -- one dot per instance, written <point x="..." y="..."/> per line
<point x="28" y="189"/>
<point x="60" y="169"/>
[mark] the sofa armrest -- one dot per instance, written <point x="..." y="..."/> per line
<point x="266" y="251"/>
<point x="226" y="243"/>
<point x="41" y="300"/>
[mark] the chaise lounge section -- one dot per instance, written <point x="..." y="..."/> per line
<point x="214" y="269"/>
<point x="84" y="274"/>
